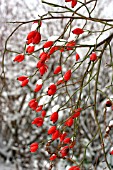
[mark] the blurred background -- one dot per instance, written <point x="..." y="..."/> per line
<point x="16" y="131"/>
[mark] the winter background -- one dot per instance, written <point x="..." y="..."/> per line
<point x="16" y="131"/>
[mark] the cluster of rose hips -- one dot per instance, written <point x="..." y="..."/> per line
<point x="65" y="141"/>
<point x="49" y="47"/>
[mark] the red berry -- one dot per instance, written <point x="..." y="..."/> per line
<point x="52" y="87"/>
<point x="48" y="44"/>
<point x="36" y="39"/>
<point x="32" y="101"/>
<point x="54" y="117"/>
<point x="51" y="130"/>
<point x="43" y="56"/>
<point x="67" y="140"/>
<point x="43" y="113"/>
<point x="29" y="41"/>
<point x="38" y="87"/>
<point x="53" y="49"/>
<point x="33" y="104"/>
<point x="43" y="69"/>
<point x="40" y="64"/>
<point x="78" y="31"/>
<point x="39" y="108"/>
<point x="77" y="56"/>
<point x="64" y="151"/>
<point x="38" y="121"/>
<point x="34" y="147"/>
<point x="111" y="153"/>
<point x="57" y="70"/>
<point x="31" y="35"/>
<point x="55" y="135"/>
<point x="67" y="75"/>
<point x="19" y="58"/>
<point x="76" y="113"/>
<point x="51" y="92"/>
<point x="73" y="3"/>
<point x="53" y="157"/>
<point x="30" y="49"/>
<point x="60" y="81"/>
<point x="93" y="56"/>
<point x="62" y="136"/>
<point x="25" y="82"/>
<point x="70" y="45"/>
<point x="74" y="168"/>
<point x="69" y="122"/>
<point x="22" y="78"/>
<point x="108" y="103"/>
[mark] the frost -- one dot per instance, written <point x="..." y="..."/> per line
<point x="111" y="123"/>
<point x="39" y="81"/>
<point x="55" y="108"/>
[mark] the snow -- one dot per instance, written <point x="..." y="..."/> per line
<point x="15" y="115"/>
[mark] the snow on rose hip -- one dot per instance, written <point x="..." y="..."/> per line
<point x="108" y="103"/>
<point x="60" y="81"/>
<point x="53" y="157"/>
<point x="54" y="117"/>
<point x="38" y="87"/>
<point x="30" y="49"/>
